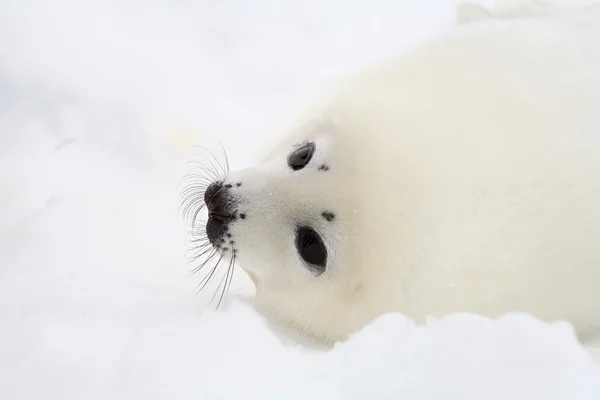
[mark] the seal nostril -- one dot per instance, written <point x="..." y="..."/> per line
<point x="217" y="201"/>
<point x="211" y="190"/>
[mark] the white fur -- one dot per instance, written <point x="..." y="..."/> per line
<point x="464" y="176"/>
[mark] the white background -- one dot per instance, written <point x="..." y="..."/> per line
<point x="100" y="106"/>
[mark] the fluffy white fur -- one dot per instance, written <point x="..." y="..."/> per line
<point x="464" y="176"/>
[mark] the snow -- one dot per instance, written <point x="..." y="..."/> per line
<point x="100" y="104"/>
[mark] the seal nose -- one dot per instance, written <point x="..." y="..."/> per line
<point x="210" y="193"/>
<point x="216" y="199"/>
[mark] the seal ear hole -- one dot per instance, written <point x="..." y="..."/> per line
<point x="300" y="157"/>
<point x="311" y="249"/>
<point x="324" y="168"/>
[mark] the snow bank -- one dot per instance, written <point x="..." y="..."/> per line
<point x="99" y="104"/>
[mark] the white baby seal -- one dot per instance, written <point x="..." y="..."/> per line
<point x="462" y="176"/>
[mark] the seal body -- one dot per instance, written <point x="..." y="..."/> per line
<point x="463" y="176"/>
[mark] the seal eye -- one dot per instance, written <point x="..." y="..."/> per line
<point x="311" y="248"/>
<point x="300" y="157"/>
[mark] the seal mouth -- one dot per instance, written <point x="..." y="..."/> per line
<point x="221" y="217"/>
<point x="216" y="228"/>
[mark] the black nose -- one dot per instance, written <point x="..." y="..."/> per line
<point x="217" y="201"/>
<point x="219" y="204"/>
<point x="211" y="191"/>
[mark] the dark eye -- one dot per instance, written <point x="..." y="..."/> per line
<point x="301" y="156"/>
<point x="311" y="248"/>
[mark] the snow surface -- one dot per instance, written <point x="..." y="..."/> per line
<point x="100" y="104"/>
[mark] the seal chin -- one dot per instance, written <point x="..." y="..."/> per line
<point x="216" y="228"/>
<point x="219" y="204"/>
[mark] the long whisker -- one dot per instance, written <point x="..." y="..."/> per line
<point x="230" y="271"/>
<point x="208" y="168"/>
<point x="226" y="158"/>
<point x="212" y="160"/>
<point x="206" y="280"/>
<point x="225" y="170"/>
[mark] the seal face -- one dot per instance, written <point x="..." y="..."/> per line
<point x="278" y="208"/>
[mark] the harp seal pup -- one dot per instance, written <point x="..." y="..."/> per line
<point x="462" y="176"/>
